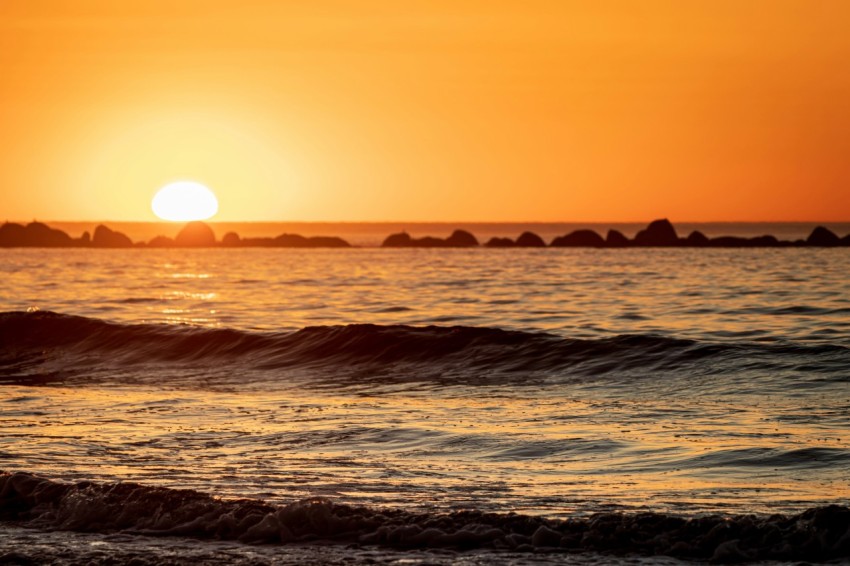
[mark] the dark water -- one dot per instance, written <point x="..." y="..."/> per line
<point x="411" y="406"/>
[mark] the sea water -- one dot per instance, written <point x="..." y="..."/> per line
<point x="424" y="406"/>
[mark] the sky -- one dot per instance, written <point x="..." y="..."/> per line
<point x="428" y="111"/>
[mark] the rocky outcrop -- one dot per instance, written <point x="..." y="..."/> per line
<point x="458" y="239"/>
<point x="659" y="233"/>
<point x="400" y="240"/>
<point x="824" y="237"/>
<point x="496" y="242"/>
<point x="616" y="239"/>
<point x="530" y="240"/>
<point x="35" y="235"/>
<point x="161" y="242"/>
<point x="579" y="239"/>
<point x="105" y="237"/>
<point x="461" y="239"/>
<point x="696" y="239"/>
<point x="231" y="240"/>
<point x="299" y="241"/>
<point x="195" y="234"/>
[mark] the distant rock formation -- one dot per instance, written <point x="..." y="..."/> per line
<point x="579" y="239"/>
<point x="496" y="242"/>
<point x="821" y="236"/>
<point x="461" y="239"/>
<point x="659" y="233"/>
<point x="299" y="241"/>
<point x="195" y="234"/>
<point x="530" y="240"/>
<point x="34" y="234"/>
<point x="105" y="237"/>
<point x="616" y="239"/>
<point x="161" y="242"/>
<point x="458" y="239"/>
<point x="231" y="239"/>
<point x="696" y="239"/>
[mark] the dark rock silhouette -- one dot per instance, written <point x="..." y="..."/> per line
<point x="34" y="234"/>
<point x="530" y="240"/>
<point x="461" y="239"/>
<point x="696" y="239"/>
<point x="85" y="239"/>
<point x="12" y="234"/>
<point x="845" y="241"/>
<point x="658" y="233"/>
<point x="161" y="242"/>
<point x="231" y="239"/>
<point x="327" y="242"/>
<point x="496" y="242"/>
<point x="766" y="241"/>
<point x="579" y="238"/>
<point x="105" y="237"/>
<point x="299" y="241"/>
<point x="616" y="239"/>
<point x="821" y="236"/>
<point x="195" y="234"/>
<point x="728" y="242"/>
<point x="42" y="235"/>
<point x="736" y="242"/>
<point x="400" y="240"/>
<point x="458" y="239"/>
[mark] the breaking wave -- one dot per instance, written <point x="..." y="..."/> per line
<point x="46" y="346"/>
<point x="27" y="500"/>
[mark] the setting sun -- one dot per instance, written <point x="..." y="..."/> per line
<point x="184" y="200"/>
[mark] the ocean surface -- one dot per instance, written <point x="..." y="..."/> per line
<point x="415" y="406"/>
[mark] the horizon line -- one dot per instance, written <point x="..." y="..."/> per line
<point x="211" y="221"/>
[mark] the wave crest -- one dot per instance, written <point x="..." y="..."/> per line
<point x="817" y="534"/>
<point x="49" y="346"/>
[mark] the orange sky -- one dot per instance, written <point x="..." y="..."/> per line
<point x="389" y="110"/>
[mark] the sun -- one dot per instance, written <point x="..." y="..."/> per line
<point x="184" y="200"/>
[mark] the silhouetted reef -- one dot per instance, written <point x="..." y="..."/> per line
<point x="818" y="534"/>
<point x="192" y="235"/>
<point x="659" y="233"/>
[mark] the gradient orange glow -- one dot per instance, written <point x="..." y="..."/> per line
<point x="448" y="110"/>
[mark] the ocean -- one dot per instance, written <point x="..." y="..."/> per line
<point x="424" y="406"/>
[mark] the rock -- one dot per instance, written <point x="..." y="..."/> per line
<point x="400" y="240"/>
<point x="658" y="233"/>
<point x="327" y="242"/>
<point x="429" y="242"/>
<point x="696" y="239"/>
<point x="42" y="235"/>
<point x="161" y="242"/>
<point x="291" y="241"/>
<point x="500" y="243"/>
<point x="85" y="239"/>
<point x="579" y="238"/>
<point x="729" y="242"/>
<point x="105" y="237"/>
<point x="231" y="239"/>
<point x="845" y="241"/>
<point x="461" y="239"/>
<point x="766" y="241"/>
<point x="12" y="234"/>
<point x="530" y="240"/>
<point x="195" y="234"/>
<point x="544" y="536"/>
<point x="821" y="236"/>
<point x="616" y="239"/>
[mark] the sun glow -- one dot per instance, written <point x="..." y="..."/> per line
<point x="184" y="200"/>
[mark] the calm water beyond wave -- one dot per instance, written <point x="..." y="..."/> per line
<point x="424" y="406"/>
